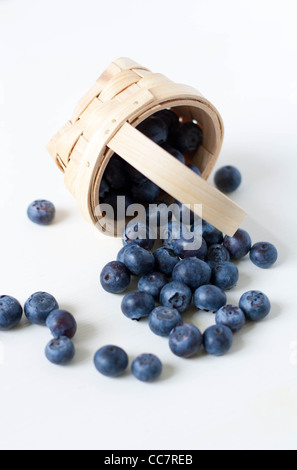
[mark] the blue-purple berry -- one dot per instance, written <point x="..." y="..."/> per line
<point x="263" y="254"/>
<point x="115" y="277"/>
<point x="60" y="351"/>
<point x="152" y="283"/>
<point x="139" y="233"/>
<point x="217" y="254"/>
<point x="176" y="295"/>
<point x="165" y="260"/>
<point x="61" y="323"/>
<point x="188" y="137"/>
<point x="225" y="275"/>
<point x="193" y="272"/>
<point x="163" y="319"/>
<point x="239" y="245"/>
<point x="176" y="153"/>
<point x="137" y="305"/>
<point x="217" y="340"/>
<point x="147" y="367"/>
<point x="231" y="316"/>
<point x="11" y="312"/>
<point x="185" y="340"/>
<point x="211" y="235"/>
<point x="209" y="298"/>
<point x="41" y="212"/>
<point x="138" y="260"/>
<point x="111" y="361"/>
<point x="228" y="179"/>
<point x="155" y="129"/>
<point x="39" y="306"/>
<point x="255" y="305"/>
<point x="190" y="247"/>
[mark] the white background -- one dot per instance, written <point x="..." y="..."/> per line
<point x="242" y="56"/>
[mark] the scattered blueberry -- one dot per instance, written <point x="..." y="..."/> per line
<point x="115" y="277"/>
<point x="41" y="212"/>
<point x="255" y="305"/>
<point x="193" y="272"/>
<point x="60" y="351"/>
<point x="217" y="254"/>
<point x="185" y="340"/>
<point x="165" y="260"/>
<point x="211" y="235"/>
<point x="120" y="255"/>
<point x="227" y="179"/>
<point x="193" y="247"/>
<point x="217" y="340"/>
<point x="263" y="254"/>
<point x="155" y="129"/>
<point x="158" y="214"/>
<point x="147" y="367"/>
<point x="139" y="233"/>
<point x="231" y="316"/>
<point x="152" y="283"/>
<point x="163" y="319"/>
<point x="138" y="260"/>
<point x="145" y="192"/>
<point x="210" y="298"/>
<point x="137" y="305"/>
<point x="39" y="306"/>
<point x="11" y="312"/>
<point x="176" y="295"/>
<point x="111" y="361"/>
<point x="172" y="231"/>
<point x="239" y="245"/>
<point x="61" y="323"/>
<point x="188" y="137"/>
<point x="225" y="275"/>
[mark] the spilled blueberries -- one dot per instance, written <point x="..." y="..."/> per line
<point x="171" y="278"/>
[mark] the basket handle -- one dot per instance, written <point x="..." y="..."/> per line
<point x="176" y="179"/>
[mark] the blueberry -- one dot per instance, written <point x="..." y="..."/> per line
<point x="138" y="260"/>
<point x="185" y="340"/>
<point x="139" y="233"/>
<point x="255" y="305"/>
<point x="11" y="312"/>
<point x="188" y="137"/>
<point x="211" y="235"/>
<point x="158" y="214"/>
<point x="184" y="214"/>
<point x="225" y="275"/>
<point x="137" y="305"/>
<point x="209" y="298"/>
<point x="217" y="340"/>
<point x="39" y="306"/>
<point x="186" y="247"/>
<point x="194" y="168"/>
<point x="104" y="189"/>
<point x="231" y="316"/>
<point x="176" y="153"/>
<point x="172" y="231"/>
<point x="134" y="175"/>
<point x="227" y="179"/>
<point x="239" y="245"/>
<point x="115" y="277"/>
<point x="60" y="351"/>
<point x="152" y="283"/>
<point x="41" y="212"/>
<point x="176" y="295"/>
<point x="111" y="361"/>
<point x="120" y="255"/>
<point x="163" y="319"/>
<point x="147" y="367"/>
<point x="146" y="192"/>
<point x="263" y="254"/>
<point x="169" y="117"/>
<point x="61" y="323"/>
<point x="193" y="272"/>
<point x="165" y="260"/>
<point x="217" y="254"/>
<point x="115" y="173"/>
<point x="155" y="129"/>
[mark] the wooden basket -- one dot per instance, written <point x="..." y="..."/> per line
<point x="104" y="123"/>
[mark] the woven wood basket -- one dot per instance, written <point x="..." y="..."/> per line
<point x="104" y="122"/>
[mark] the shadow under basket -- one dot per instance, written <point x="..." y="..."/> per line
<point x="104" y="122"/>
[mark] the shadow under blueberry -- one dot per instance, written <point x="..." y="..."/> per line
<point x="61" y="216"/>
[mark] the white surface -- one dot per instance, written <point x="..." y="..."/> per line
<point x="242" y="56"/>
